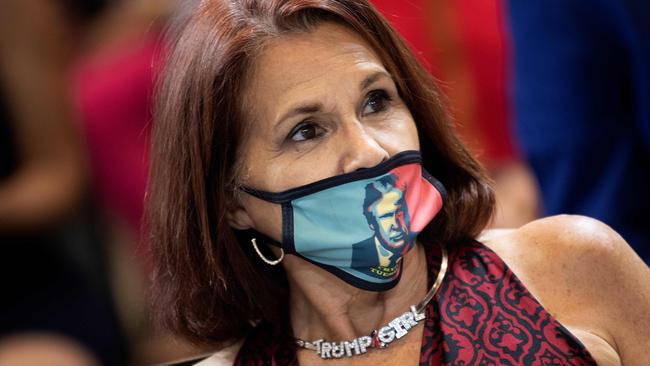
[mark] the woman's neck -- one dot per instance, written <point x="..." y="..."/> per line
<point x="323" y="306"/>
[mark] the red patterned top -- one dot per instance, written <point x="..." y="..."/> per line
<point x="482" y="315"/>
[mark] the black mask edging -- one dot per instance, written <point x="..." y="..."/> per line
<point x="404" y="157"/>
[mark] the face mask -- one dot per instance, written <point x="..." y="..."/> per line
<point x="360" y="225"/>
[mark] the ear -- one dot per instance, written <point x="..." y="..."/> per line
<point x="238" y="217"/>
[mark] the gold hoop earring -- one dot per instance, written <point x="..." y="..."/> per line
<point x="270" y="262"/>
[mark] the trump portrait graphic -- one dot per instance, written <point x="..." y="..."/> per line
<point x="362" y="227"/>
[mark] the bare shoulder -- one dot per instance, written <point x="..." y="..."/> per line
<point x="224" y="357"/>
<point x="217" y="359"/>
<point x="584" y="273"/>
<point x="571" y="235"/>
<point x="572" y="244"/>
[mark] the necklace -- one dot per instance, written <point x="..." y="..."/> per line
<point x="381" y="338"/>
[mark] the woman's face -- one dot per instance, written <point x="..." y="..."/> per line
<point x="319" y="104"/>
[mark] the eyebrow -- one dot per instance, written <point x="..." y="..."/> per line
<point x="370" y="79"/>
<point x="317" y="107"/>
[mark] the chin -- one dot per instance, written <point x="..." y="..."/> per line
<point x="394" y="245"/>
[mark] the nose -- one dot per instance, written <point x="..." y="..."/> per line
<point x="360" y="150"/>
<point x="394" y="224"/>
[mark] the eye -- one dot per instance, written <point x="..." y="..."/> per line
<point x="377" y="101"/>
<point x="305" y="131"/>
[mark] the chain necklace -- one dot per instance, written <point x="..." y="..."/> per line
<point x="381" y="338"/>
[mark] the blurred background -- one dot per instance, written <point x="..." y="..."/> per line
<point x="553" y="97"/>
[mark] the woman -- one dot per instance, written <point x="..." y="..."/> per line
<point x="290" y="179"/>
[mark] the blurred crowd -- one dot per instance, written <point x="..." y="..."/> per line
<point x="553" y="97"/>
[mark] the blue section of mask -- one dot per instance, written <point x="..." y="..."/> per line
<point x="332" y="219"/>
<point x="364" y="275"/>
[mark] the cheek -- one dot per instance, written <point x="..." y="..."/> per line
<point x="399" y="219"/>
<point x="265" y="216"/>
<point x="385" y="224"/>
<point x="276" y="171"/>
<point x="396" y="132"/>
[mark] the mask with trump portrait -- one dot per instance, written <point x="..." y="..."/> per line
<point x="359" y="225"/>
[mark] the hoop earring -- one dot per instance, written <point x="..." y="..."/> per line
<point x="270" y="262"/>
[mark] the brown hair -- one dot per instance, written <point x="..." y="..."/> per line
<point x="208" y="284"/>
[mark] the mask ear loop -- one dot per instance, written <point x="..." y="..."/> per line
<point x="267" y="261"/>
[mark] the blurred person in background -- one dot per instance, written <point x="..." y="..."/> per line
<point x="582" y="94"/>
<point x="56" y="306"/>
<point x="113" y="77"/>
<point x="465" y="45"/>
